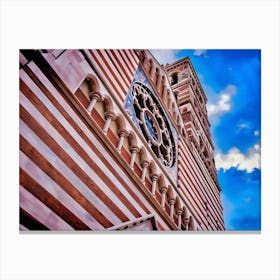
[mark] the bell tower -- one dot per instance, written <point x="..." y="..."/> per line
<point x="191" y="101"/>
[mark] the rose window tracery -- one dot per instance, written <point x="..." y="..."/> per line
<point x="153" y="124"/>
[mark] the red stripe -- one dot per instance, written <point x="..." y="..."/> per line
<point x="134" y="56"/>
<point x="128" y="67"/>
<point x="129" y="60"/>
<point x="129" y="77"/>
<point x="117" y="66"/>
<point x="105" y="74"/>
<point x="110" y="69"/>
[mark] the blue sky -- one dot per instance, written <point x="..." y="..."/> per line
<point x="231" y="81"/>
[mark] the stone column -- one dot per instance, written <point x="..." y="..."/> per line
<point x="134" y="150"/>
<point x="154" y="178"/>
<point x="179" y="213"/>
<point x="94" y="97"/>
<point x="186" y="219"/>
<point x="122" y="133"/>
<point x="171" y="202"/>
<point x="144" y="165"/>
<point x="163" y="190"/>
<point x="109" y="116"/>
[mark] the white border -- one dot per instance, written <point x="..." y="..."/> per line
<point x="146" y="24"/>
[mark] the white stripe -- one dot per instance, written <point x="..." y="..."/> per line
<point x="84" y="145"/>
<point x="35" y="141"/>
<point x="119" y="67"/>
<point x="55" y="190"/>
<point x="127" y="61"/>
<point x="131" y="59"/>
<point x="107" y="71"/>
<point x="130" y="75"/>
<point x="41" y="212"/>
<point x="119" y="77"/>
<point x="74" y="155"/>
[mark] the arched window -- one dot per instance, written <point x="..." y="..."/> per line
<point x="174" y="79"/>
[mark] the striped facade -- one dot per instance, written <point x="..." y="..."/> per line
<point x="85" y="165"/>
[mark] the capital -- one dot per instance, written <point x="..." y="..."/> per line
<point x="95" y="95"/>
<point x="122" y="132"/>
<point x="134" y="149"/>
<point x="109" y="115"/>
<point x="144" y="163"/>
<point x="163" y="189"/>
<point x="154" y="176"/>
<point x="171" y="201"/>
<point x="179" y="211"/>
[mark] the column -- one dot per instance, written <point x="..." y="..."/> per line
<point x="179" y="213"/>
<point x="163" y="190"/>
<point x="154" y="178"/>
<point x="122" y="133"/>
<point x="109" y="115"/>
<point x="94" y="97"/>
<point x="186" y="218"/>
<point x="171" y="202"/>
<point x="134" y="150"/>
<point x="144" y="165"/>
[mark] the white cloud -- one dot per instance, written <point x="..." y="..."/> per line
<point x="223" y="105"/>
<point x="256" y="133"/>
<point x="234" y="158"/>
<point x="200" y="52"/>
<point x="243" y="125"/>
<point x="165" y="56"/>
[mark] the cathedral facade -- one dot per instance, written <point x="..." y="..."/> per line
<point x="111" y="140"/>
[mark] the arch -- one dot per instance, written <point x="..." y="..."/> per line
<point x="161" y="181"/>
<point x="107" y="103"/>
<point x="152" y="167"/>
<point x="143" y="154"/>
<point x="191" y="223"/>
<point x="132" y="141"/>
<point x="157" y="75"/>
<point x="185" y="213"/>
<point x="151" y="65"/>
<point x="170" y="193"/>
<point x="174" y="78"/>
<point x="178" y="203"/>
<point x="92" y="83"/>
<point x="120" y="122"/>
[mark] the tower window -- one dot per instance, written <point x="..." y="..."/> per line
<point x="174" y="79"/>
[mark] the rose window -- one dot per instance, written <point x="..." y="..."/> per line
<point x="153" y="124"/>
